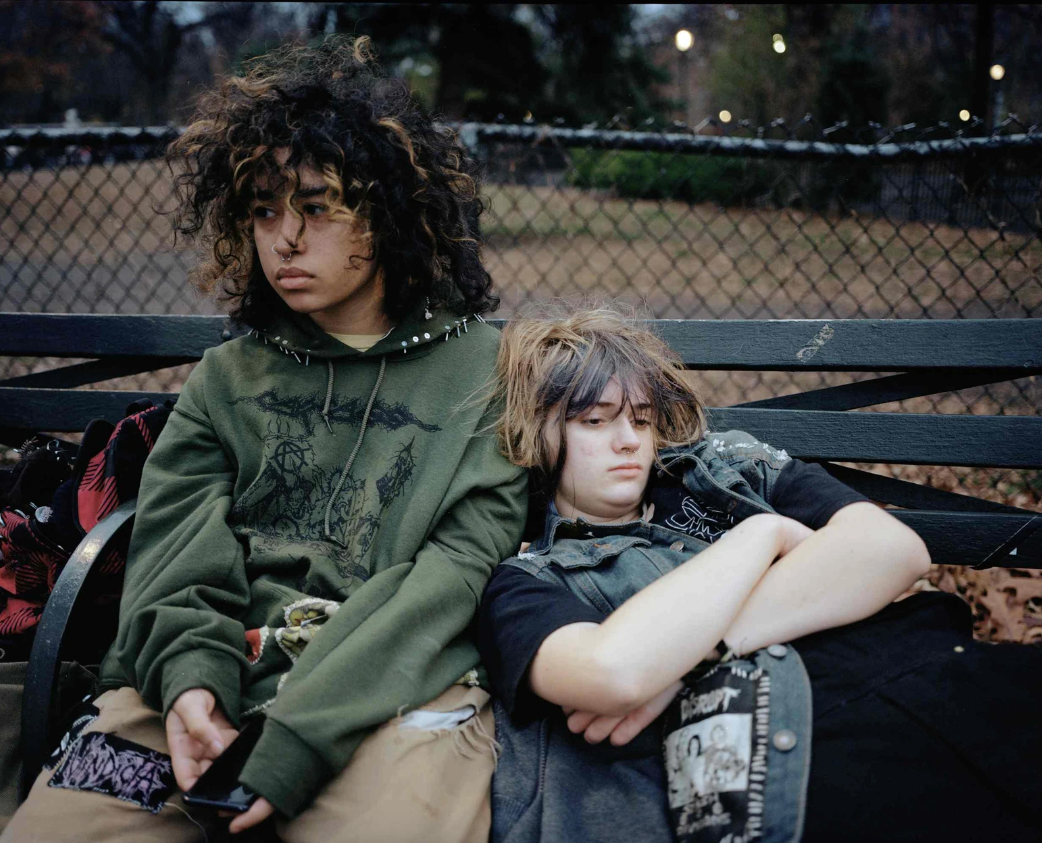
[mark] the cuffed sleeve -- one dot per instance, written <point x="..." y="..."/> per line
<point x="288" y="787"/>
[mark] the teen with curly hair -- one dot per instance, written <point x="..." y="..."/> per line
<point x="320" y="515"/>
<point x="702" y="645"/>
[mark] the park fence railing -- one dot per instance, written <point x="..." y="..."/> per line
<point x="714" y="222"/>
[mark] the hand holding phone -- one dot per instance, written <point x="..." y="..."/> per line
<point x="219" y="787"/>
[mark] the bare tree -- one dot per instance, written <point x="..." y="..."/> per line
<point x="151" y="33"/>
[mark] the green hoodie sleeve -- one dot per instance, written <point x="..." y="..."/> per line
<point x="397" y="642"/>
<point x="185" y="580"/>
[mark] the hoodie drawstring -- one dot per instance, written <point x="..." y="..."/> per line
<point x="358" y="443"/>
<point x="329" y="397"/>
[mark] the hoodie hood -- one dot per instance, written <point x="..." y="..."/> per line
<point x="297" y="334"/>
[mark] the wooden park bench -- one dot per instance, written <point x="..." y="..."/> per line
<point x="929" y="356"/>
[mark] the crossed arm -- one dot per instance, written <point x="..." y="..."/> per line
<point x="769" y="580"/>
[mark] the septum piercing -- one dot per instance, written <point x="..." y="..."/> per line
<point x="280" y="256"/>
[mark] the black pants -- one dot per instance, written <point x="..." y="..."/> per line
<point x="921" y="733"/>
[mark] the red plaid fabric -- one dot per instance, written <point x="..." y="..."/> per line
<point x="34" y="548"/>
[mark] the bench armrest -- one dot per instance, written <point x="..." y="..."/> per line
<point x="45" y="659"/>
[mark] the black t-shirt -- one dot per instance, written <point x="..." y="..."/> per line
<point x="518" y="611"/>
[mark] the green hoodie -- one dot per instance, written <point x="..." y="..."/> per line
<point x="261" y="570"/>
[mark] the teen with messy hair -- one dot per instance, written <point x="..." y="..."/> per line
<point x="405" y="184"/>
<point x="323" y="509"/>
<point x="701" y="642"/>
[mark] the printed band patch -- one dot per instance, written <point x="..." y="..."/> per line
<point x="716" y="755"/>
<point x="116" y="767"/>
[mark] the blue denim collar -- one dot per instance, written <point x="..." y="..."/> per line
<point x="556" y="526"/>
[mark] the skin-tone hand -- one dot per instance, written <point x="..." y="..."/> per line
<point x="197" y="732"/>
<point x="259" y="811"/>
<point x="620" y="729"/>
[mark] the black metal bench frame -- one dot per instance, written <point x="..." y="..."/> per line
<point x="929" y="356"/>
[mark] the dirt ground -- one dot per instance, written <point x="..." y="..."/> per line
<point x="94" y="240"/>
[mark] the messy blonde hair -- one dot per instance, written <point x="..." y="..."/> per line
<point x="563" y="355"/>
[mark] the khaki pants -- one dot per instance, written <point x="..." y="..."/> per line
<point x="73" y="683"/>
<point x="411" y="780"/>
<point x="12" y="678"/>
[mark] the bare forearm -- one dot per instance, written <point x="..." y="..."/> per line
<point x="661" y="632"/>
<point x="849" y="569"/>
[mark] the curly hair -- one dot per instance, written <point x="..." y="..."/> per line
<point x="562" y="355"/>
<point x="384" y="162"/>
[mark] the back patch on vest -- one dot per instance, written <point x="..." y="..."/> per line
<point x="716" y="755"/>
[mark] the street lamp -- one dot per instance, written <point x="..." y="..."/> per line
<point x="725" y="116"/>
<point x="684" y="40"/>
<point x="997" y="72"/>
<point x="964" y="115"/>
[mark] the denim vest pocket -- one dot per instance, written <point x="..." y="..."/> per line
<point x="591" y="552"/>
<point x="600" y="572"/>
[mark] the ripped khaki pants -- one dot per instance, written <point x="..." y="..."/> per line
<point x="420" y="778"/>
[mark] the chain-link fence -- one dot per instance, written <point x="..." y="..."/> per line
<point x="782" y="222"/>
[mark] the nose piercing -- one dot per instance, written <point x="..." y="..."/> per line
<point x="280" y="256"/>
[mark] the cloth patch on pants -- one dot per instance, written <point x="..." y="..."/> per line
<point x="716" y="755"/>
<point x="116" y="767"/>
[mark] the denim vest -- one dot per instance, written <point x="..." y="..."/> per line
<point x="551" y="785"/>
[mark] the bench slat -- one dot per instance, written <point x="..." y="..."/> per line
<point x="980" y="540"/>
<point x="94" y="371"/>
<point x="109" y="335"/>
<point x="853" y="345"/>
<point x="890" y="490"/>
<point x="742" y="344"/>
<point x="907" y="438"/>
<point x="856" y="344"/>
<point x="868" y="393"/>
<point x="64" y="411"/>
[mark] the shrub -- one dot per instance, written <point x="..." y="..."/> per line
<point x="728" y="181"/>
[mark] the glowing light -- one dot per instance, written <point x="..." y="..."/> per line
<point x="684" y="40"/>
<point x="725" y="116"/>
<point x="996" y="71"/>
<point x="779" y="47"/>
<point x="776" y="38"/>
<point x="964" y="115"/>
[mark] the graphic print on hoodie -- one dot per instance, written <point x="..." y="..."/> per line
<point x="289" y="499"/>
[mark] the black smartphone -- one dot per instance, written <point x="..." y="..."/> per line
<point x="219" y="786"/>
